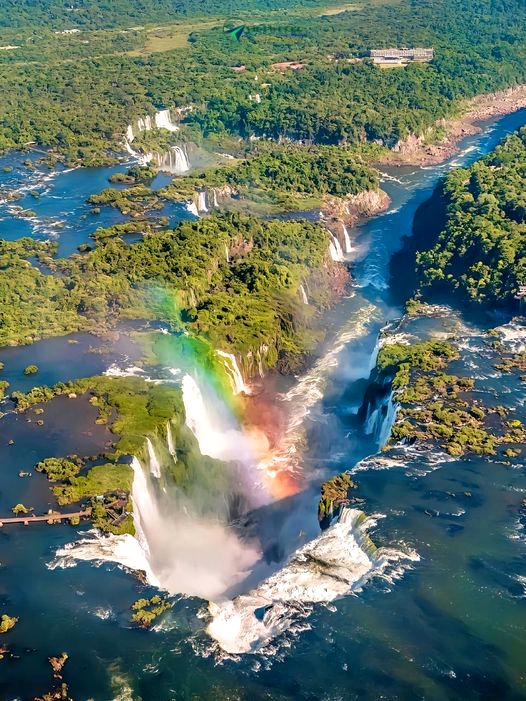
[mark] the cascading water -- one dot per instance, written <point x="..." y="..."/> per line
<point x="336" y="563"/>
<point x="227" y="254"/>
<point x="192" y="208"/>
<point x="163" y="120"/>
<point x="174" y="161"/>
<point x="170" y="441"/>
<point x="187" y="552"/>
<point x="145" y="123"/>
<point x="201" y="201"/>
<point x="303" y="295"/>
<point x="155" y="467"/>
<point x="232" y="368"/>
<point x="347" y="239"/>
<point x="335" y="249"/>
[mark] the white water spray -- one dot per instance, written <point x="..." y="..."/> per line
<point x="303" y="295"/>
<point x="339" y="561"/>
<point x="163" y="120"/>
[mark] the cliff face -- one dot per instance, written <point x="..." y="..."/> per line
<point x="350" y="209"/>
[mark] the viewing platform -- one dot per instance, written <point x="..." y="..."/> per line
<point x="51" y="517"/>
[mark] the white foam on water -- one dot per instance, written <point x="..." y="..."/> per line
<point x="337" y="563"/>
<point x="513" y="335"/>
<point x="123" y="550"/>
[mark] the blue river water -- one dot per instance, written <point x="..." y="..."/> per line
<point x="446" y="623"/>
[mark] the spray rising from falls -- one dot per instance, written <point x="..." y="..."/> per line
<point x="340" y="561"/>
<point x="187" y="553"/>
<point x="309" y="390"/>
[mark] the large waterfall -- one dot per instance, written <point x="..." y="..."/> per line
<point x="187" y="552"/>
<point x="232" y="368"/>
<point x="174" y="161"/>
<point x="336" y="563"/>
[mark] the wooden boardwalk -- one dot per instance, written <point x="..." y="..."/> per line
<point x="51" y="517"/>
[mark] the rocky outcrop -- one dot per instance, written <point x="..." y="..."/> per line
<point x="334" y="496"/>
<point x="341" y="212"/>
<point x="418" y="149"/>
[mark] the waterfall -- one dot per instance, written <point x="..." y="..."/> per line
<point x="374" y="355"/>
<point x="174" y="161"/>
<point x="227" y="255"/>
<point x="347" y="239"/>
<point x="385" y="427"/>
<point x="371" y="420"/>
<point x="145" y="158"/>
<point x="261" y="354"/>
<point x="192" y="207"/>
<point x="163" y="120"/>
<point x="335" y="249"/>
<point x="303" y="295"/>
<point x="186" y="552"/>
<point x="128" y="148"/>
<point x="144" y="124"/>
<point x="129" y="134"/>
<point x="155" y="467"/>
<point x="201" y="201"/>
<point x="337" y="563"/>
<point x="215" y="203"/>
<point x="170" y="441"/>
<point x="214" y="438"/>
<point x="379" y="420"/>
<point x="232" y="368"/>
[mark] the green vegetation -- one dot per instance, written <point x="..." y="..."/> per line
<point x="20" y="509"/>
<point x="59" y="469"/>
<point x="481" y="253"/>
<point x="334" y="494"/>
<point x="134" y="410"/>
<point x="146" y="611"/>
<point x="181" y="277"/>
<point x="7" y="622"/>
<point x="435" y="406"/>
<point x="101" y="86"/>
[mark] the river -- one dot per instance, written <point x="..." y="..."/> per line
<point x="439" y="612"/>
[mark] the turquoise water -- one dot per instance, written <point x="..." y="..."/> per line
<point x="449" y="625"/>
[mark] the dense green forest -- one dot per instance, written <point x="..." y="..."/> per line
<point x="481" y="253"/>
<point x="231" y="278"/>
<point x="81" y="107"/>
<point x="117" y="13"/>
